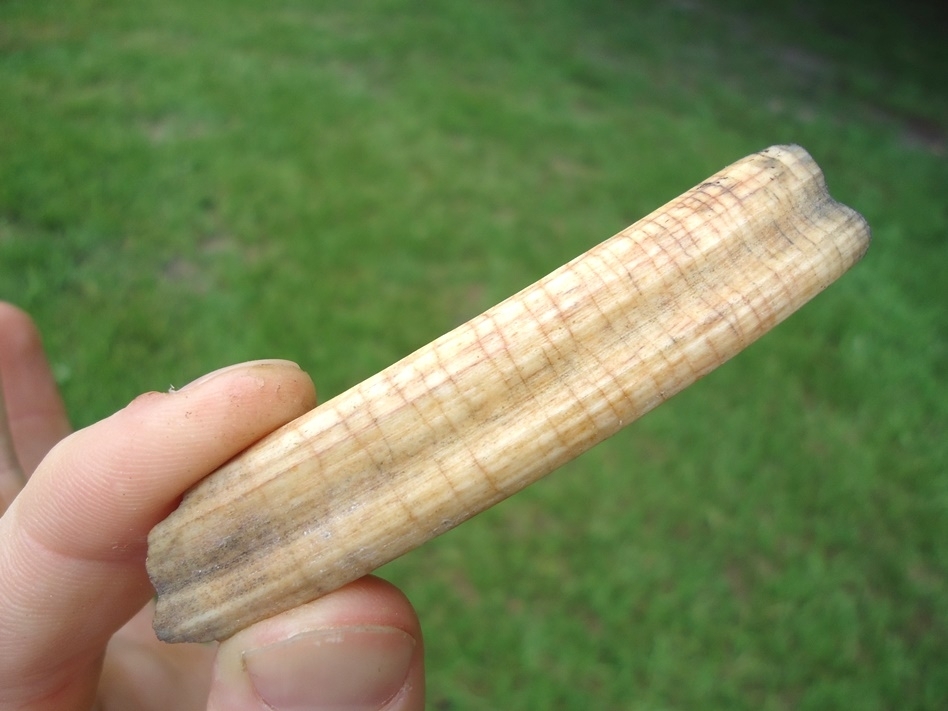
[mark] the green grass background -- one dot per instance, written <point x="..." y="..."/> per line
<point x="185" y="185"/>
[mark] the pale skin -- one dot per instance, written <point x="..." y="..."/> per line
<point x="75" y="610"/>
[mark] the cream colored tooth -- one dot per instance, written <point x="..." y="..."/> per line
<point x="492" y="406"/>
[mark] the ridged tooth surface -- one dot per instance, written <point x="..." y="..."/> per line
<point x="492" y="406"/>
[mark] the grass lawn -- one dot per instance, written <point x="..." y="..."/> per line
<point x="186" y="185"/>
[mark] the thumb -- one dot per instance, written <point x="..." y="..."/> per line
<point x="73" y="542"/>
<point x="357" y="648"/>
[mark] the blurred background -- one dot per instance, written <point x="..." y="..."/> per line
<point x="186" y="185"/>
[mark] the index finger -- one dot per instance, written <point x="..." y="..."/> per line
<point x="72" y="544"/>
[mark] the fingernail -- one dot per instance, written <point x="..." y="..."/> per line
<point x="238" y="366"/>
<point x="345" y="669"/>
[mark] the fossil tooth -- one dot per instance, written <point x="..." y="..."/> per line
<point x="502" y="400"/>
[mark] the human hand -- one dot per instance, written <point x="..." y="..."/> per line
<point x="75" y="616"/>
